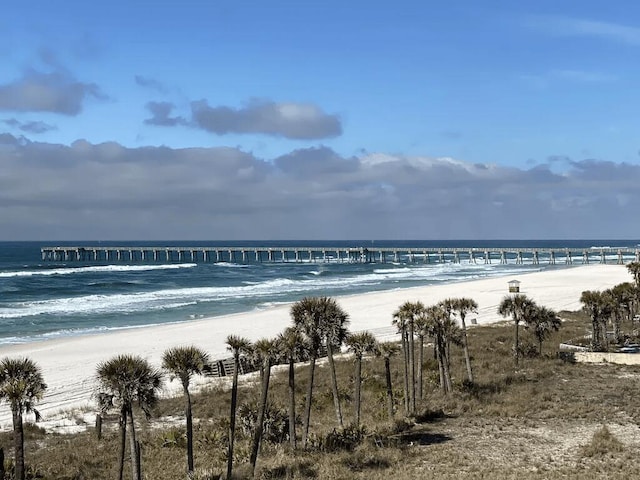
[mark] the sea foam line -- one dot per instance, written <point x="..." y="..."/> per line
<point x="274" y="289"/>
<point x="94" y="269"/>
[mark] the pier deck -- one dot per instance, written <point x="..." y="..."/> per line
<point x="245" y="255"/>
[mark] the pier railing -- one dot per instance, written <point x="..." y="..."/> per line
<point x="245" y="255"/>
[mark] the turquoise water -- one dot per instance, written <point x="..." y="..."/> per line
<point x="40" y="300"/>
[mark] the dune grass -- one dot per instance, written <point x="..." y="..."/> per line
<point x="546" y="419"/>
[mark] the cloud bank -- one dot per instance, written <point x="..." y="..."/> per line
<point x="108" y="191"/>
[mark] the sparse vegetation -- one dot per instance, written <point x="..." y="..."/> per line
<point x="535" y="422"/>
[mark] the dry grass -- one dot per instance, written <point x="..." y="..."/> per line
<point x="542" y="421"/>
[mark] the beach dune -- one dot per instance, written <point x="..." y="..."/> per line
<point x="69" y="364"/>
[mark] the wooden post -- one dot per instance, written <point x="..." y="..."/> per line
<point x="1" y="462"/>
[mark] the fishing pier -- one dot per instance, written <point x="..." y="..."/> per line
<point x="361" y="254"/>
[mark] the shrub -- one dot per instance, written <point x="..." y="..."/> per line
<point x="275" y="427"/>
<point x="344" y="439"/>
<point x="602" y="443"/>
<point x="175" y="437"/>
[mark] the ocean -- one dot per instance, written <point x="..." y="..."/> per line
<point x="51" y="299"/>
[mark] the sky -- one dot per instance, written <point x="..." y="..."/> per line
<point x="231" y="120"/>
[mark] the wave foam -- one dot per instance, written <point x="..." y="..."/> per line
<point x="94" y="269"/>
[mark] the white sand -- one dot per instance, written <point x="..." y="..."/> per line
<point x="69" y="364"/>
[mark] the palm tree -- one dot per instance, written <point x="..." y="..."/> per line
<point x="238" y="346"/>
<point x="434" y="319"/>
<point x="21" y="386"/>
<point x="359" y="344"/>
<point x="293" y="347"/>
<point x="448" y="306"/>
<point x="465" y="306"/>
<point x="317" y="318"/>
<point x="519" y="307"/>
<point x="542" y="323"/>
<point x="123" y="381"/>
<point x="387" y="350"/>
<point x="623" y="299"/>
<point x="400" y="321"/>
<point x="334" y="332"/>
<point x="421" y="329"/>
<point x="267" y="352"/>
<point x="634" y="269"/>
<point x="626" y="298"/>
<point x="445" y="332"/>
<point x="182" y="363"/>
<point x="407" y="314"/>
<point x="593" y="303"/>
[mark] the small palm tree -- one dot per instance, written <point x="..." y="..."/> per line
<point x="625" y="295"/>
<point x="422" y="330"/>
<point x="594" y="304"/>
<point x="520" y="308"/>
<point x="542" y="323"/>
<point x="400" y="321"/>
<point x="445" y="332"/>
<point x="387" y="350"/>
<point x="465" y="306"/>
<point x="123" y="381"/>
<point x="267" y="351"/>
<point x="359" y="344"/>
<point x="238" y="346"/>
<point x="182" y="363"/>
<point x="318" y="319"/>
<point x="407" y="314"/>
<point x="334" y="332"/>
<point x="21" y="386"/>
<point x="634" y="269"/>
<point x="293" y="347"/>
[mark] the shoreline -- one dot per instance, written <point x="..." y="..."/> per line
<point x="68" y="364"/>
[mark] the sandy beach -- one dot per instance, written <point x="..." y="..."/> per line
<point x="69" y="364"/>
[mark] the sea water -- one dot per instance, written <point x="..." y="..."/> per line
<point x="49" y="299"/>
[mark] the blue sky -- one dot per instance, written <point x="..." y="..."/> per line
<point x="325" y="106"/>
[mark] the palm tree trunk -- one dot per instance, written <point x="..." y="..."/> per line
<point x="412" y="368"/>
<point x="465" y="347"/>
<point x="436" y="351"/>
<point x="405" y="356"/>
<point x="334" y="385"/>
<point x="358" y="384"/>
<point x="18" y="443"/>
<point x="257" y="436"/>
<point x="445" y="367"/>
<point x="292" y="403"/>
<point x="616" y="328"/>
<point x="123" y="441"/>
<point x="420" y="364"/>
<point x="189" y="416"/>
<point x="516" y="340"/>
<point x="132" y="442"/>
<point x="232" y="416"/>
<point x="307" y="403"/>
<point x="387" y="374"/>
<point x="595" y="334"/>
<point x="605" y="337"/>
